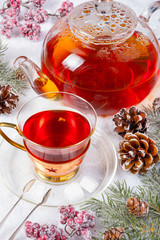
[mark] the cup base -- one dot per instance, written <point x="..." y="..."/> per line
<point x="56" y="179"/>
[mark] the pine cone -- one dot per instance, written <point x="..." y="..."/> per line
<point x="137" y="207"/>
<point x="138" y="153"/>
<point x="7" y="99"/>
<point x="113" y="233"/>
<point x="131" y="121"/>
<point x="156" y="105"/>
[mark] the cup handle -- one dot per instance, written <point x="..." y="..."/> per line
<point x="10" y="125"/>
<point x="149" y="11"/>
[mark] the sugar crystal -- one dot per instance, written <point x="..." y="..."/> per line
<point x="89" y="184"/>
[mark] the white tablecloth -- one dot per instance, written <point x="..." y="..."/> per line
<point x="18" y="46"/>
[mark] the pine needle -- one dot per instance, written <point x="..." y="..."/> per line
<point x="7" y="75"/>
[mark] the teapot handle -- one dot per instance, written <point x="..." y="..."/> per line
<point x="149" y="11"/>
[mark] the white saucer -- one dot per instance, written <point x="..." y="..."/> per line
<point x="95" y="173"/>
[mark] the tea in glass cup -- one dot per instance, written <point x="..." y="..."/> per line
<point x="56" y="129"/>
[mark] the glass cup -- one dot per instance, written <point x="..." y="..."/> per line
<point x="56" y="129"/>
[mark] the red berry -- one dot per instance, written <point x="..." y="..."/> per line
<point x="62" y="209"/>
<point x="79" y="220"/>
<point x="28" y="223"/>
<point x="63" y="237"/>
<point x="52" y="228"/>
<point x="63" y="221"/>
<point x="36" y="233"/>
<point x="70" y="209"/>
<point x="36" y="225"/>
<point x="70" y="222"/>
<point x="29" y="231"/>
<point x="76" y="213"/>
<point x="82" y="213"/>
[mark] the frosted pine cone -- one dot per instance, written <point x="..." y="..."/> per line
<point x="137" y="207"/>
<point x="7" y="99"/>
<point x="138" y="153"/>
<point x="131" y="121"/>
<point x="113" y="233"/>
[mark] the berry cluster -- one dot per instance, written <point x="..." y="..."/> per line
<point x="30" y="30"/>
<point x="13" y="18"/>
<point x="65" y="8"/>
<point x="78" y="222"/>
<point x="44" y="232"/>
<point x="38" y="15"/>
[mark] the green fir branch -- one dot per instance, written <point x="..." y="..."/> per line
<point x="150" y="190"/>
<point x="7" y="75"/>
<point x="153" y="130"/>
<point x="113" y="212"/>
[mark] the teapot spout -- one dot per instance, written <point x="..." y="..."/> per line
<point x="34" y="75"/>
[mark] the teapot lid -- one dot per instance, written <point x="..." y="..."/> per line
<point x="103" y="21"/>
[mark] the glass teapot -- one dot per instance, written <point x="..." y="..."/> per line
<point x="102" y="52"/>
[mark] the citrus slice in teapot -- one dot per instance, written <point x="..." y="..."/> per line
<point x="104" y="53"/>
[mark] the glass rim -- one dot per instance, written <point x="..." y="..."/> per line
<point x="57" y="92"/>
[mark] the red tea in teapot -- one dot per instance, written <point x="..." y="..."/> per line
<point x="109" y="76"/>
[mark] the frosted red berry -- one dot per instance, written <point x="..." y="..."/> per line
<point x="38" y="3"/>
<point x="43" y="232"/>
<point x="65" y="8"/>
<point x="13" y="17"/>
<point x="79" y="222"/>
<point x="28" y="223"/>
<point x="30" y="30"/>
<point x="39" y="15"/>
